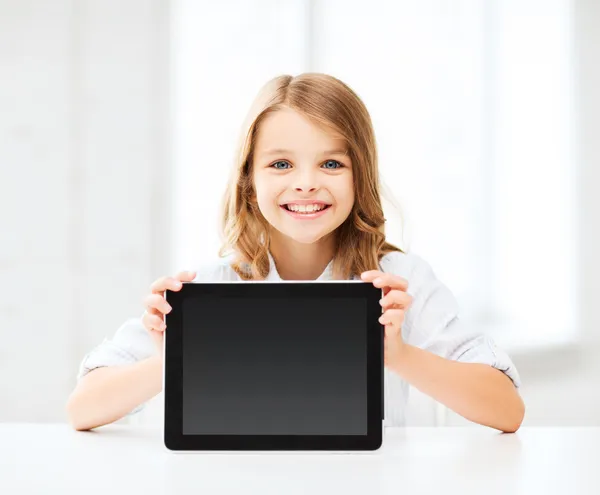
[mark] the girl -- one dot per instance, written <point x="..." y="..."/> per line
<point x="303" y="203"/>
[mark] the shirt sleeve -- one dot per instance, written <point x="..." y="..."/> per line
<point x="433" y="323"/>
<point x="130" y="343"/>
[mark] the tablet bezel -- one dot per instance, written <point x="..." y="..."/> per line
<point x="173" y="369"/>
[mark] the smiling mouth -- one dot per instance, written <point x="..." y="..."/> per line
<point x="305" y="209"/>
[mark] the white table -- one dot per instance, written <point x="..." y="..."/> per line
<point x="114" y="459"/>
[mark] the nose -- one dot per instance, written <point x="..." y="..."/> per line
<point x="304" y="189"/>
<point x="305" y="182"/>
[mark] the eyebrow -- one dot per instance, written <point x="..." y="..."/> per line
<point x="278" y="151"/>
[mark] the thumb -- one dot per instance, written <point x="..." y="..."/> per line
<point x="186" y="276"/>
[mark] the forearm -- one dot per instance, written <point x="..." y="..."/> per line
<point x="478" y="392"/>
<point x="107" y="394"/>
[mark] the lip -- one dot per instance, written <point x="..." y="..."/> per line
<point x="305" y="216"/>
<point x="305" y="202"/>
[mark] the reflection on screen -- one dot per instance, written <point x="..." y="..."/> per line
<point x="274" y="366"/>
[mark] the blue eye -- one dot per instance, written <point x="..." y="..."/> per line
<point x="328" y="165"/>
<point x="335" y="163"/>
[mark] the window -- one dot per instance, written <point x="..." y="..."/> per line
<point x="471" y="103"/>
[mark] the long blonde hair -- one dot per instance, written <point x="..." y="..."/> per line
<point x="328" y="102"/>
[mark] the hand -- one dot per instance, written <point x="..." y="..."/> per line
<point x="157" y="306"/>
<point x="395" y="303"/>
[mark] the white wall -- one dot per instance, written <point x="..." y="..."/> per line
<point x="561" y="386"/>
<point x="587" y="50"/>
<point x="83" y="169"/>
<point x="84" y="202"/>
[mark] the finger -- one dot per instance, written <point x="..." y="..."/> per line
<point x="392" y="318"/>
<point x="153" y="322"/>
<point x="370" y="275"/>
<point x="164" y="283"/>
<point x="390" y="281"/>
<point x="157" y="302"/>
<point x="382" y="279"/>
<point x="396" y="299"/>
<point x="153" y="311"/>
<point x="186" y="276"/>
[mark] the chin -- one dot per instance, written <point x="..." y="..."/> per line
<point x="304" y="237"/>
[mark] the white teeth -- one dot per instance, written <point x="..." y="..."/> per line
<point x="305" y="208"/>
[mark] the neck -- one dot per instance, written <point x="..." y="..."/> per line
<point x="297" y="261"/>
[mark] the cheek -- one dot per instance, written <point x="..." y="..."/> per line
<point x="344" y="194"/>
<point x="267" y="192"/>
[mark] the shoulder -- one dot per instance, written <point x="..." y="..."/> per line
<point x="423" y="283"/>
<point x="406" y="265"/>
<point x="216" y="269"/>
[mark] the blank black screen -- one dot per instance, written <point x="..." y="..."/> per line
<point x="274" y="366"/>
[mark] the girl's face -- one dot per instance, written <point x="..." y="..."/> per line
<point x="302" y="177"/>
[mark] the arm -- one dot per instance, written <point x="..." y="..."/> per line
<point x="433" y="351"/>
<point x="476" y="391"/>
<point x="108" y="393"/>
<point x="126" y="371"/>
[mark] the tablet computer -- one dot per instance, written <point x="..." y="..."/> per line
<point x="274" y="366"/>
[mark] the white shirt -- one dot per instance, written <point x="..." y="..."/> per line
<point x="431" y="323"/>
